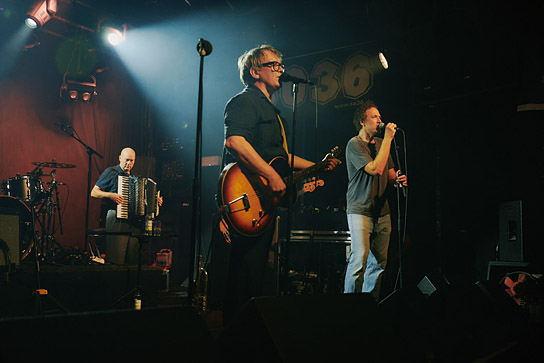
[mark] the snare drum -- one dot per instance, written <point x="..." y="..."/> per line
<point x="23" y="187"/>
<point x="11" y="205"/>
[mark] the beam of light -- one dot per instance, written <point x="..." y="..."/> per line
<point x="11" y="50"/>
<point x="164" y="63"/>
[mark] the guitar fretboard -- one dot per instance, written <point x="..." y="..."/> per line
<point x="304" y="173"/>
<point x="300" y="175"/>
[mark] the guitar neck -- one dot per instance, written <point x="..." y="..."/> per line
<point x="304" y="173"/>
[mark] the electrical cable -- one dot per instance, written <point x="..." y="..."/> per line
<point x="405" y="163"/>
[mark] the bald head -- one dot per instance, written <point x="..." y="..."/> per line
<point x="126" y="159"/>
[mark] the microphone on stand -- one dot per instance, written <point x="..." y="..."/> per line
<point x="204" y="47"/>
<point x="286" y="77"/>
<point x="63" y="126"/>
<point x="66" y="128"/>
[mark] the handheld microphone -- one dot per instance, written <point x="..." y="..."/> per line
<point x="381" y="128"/>
<point x="400" y="185"/>
<point x="286" y="77"/>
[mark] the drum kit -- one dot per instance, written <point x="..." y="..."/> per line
<point x="37" y="204"/>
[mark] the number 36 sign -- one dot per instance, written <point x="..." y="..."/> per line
<point x="353" y="78"/>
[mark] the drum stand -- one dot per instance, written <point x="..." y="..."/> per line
<point x="48" y="211"/>
<point x="40" y="293"/>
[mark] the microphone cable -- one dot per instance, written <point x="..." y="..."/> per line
<point x="403" y="240"/>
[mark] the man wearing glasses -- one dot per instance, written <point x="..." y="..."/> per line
<point x="254" y="135"/>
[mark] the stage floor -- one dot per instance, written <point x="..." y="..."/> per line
<point x="89" y="304"/>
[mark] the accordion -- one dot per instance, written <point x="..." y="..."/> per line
<point x="140" y="197"/>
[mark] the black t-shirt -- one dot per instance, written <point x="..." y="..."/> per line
<point x="251" y="115"/>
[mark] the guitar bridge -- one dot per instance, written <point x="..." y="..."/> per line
<point x="245" y="201"/>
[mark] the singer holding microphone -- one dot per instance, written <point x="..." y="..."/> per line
<point x="254" y="135"/>
<point x="370" y="172"/>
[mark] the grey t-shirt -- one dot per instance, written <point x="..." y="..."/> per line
<point x="366" y="193"/>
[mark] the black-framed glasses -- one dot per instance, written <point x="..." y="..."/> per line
<point x="274" y="65"/>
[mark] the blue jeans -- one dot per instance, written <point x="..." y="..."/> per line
<point x="368" y="257"/>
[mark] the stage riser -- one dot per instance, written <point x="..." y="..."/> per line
<point x="110" y="336"/>
<point x="78" y="288"/>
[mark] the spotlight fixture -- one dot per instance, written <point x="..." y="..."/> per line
<point x="41" y="12"/>
<point x="383" y="60"/>
<point x="114" y="36"/>
<point x="78" y="88"/>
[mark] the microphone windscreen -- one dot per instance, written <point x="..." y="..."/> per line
<point x="204" y="47"/>
<point x="285" y="77"/>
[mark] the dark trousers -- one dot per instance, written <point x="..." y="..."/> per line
<point x="247" y="269"/>
<point x="121" y="249"/>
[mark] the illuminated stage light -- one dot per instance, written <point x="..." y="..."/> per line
<point x="41" y="12"/>
<point x="383" y="60"/>
<point x="86" y="97"/>
<point x="114" y="36"/>
<point x="78" y="88"/>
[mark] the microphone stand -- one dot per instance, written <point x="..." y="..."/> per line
<point x="204" y="48"/>
<point x="90" y="153"/>
<point x="285" y="270"/>
<point x="404" y="192"/>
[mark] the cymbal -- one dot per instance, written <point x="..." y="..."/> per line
<point x="52" y="164"/>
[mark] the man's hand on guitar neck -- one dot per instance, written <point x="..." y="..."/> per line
<point x="332" y="162"/>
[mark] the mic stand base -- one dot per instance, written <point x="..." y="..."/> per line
<point x="135" y="292"/>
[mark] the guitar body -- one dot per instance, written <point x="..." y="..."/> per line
<point x="246" y="201"/>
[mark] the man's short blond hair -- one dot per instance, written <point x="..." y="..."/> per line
<point x="252" y="58"/>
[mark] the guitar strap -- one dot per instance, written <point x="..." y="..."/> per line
<point x="221" y="223"/>
<point x="283" y="135"/>
<point x="223" y="157"/>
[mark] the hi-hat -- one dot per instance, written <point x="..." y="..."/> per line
<point x="52" y="164"/>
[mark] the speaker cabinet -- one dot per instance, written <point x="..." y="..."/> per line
<point x="9" y="239"/>
<point x="305" y="328"/>
<point x="510" y="231"/>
